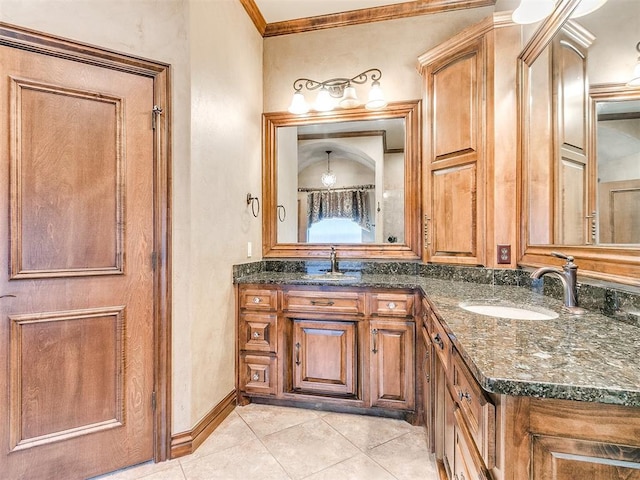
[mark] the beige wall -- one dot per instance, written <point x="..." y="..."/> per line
<point x="217" y="102"/>
<point x="392" y="46"/>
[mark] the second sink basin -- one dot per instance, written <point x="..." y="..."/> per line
<point x="328" y="276"/>
<point x="512" y="312"/>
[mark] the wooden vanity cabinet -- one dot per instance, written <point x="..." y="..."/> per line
<point x="339" y="347"/>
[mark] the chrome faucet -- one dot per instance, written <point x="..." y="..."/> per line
<point x="333" y="258"/>
<point x="568" y="276"/>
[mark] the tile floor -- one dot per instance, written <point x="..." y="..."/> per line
<point x="260" y="442"/>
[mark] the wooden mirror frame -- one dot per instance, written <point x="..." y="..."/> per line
<point x="410" y="111"/>
<point x="617" y="264"/>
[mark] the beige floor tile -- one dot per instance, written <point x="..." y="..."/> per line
<point x="367" y="432"/>
<point x="406" y="457"/>
<point x="231" y="432"/>
<point x="359" y="467"/>
<point x="267" y="419"/>
<point x="309" y="447"/>
<point x="247" y="461"/>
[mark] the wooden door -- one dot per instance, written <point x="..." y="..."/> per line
<point x="454" y="153"/>
<point x="573" y="195"/>
<point x="77" y="313"/>
<point x="618" y="208"/>
<point x="324" y="357"/>
<point x="392" y="364"/>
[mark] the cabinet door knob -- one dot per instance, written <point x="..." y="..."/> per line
<point x="391" y="305"/>
<point x="464" y="396"/>
<point x="439" y="341"/>
<point x="374" y="334"/>
<point x="255" y="377"/>
<point x="257" y="299"/>
<point x="256" y="334"/>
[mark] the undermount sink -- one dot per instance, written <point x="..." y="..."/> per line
<point x="328" y="276"/>
<point x="511" y="312"/>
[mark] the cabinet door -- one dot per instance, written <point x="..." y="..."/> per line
<point x="392" y="364"/>
<point x="573" y="176"/>
<point x="324" y="357"/>
<point x="454" y="221"/>
<point x="557" y="458"/>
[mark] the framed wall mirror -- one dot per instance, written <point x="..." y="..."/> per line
<point x="580" y="139"/>
<point x="349" y="179"/>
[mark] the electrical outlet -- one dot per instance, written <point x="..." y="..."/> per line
<point x="504" y="253"/>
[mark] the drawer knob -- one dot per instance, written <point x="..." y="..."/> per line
<point x="391" y="305"/>
<point x="439" y="341"/>
<point x="257" y="299"/>
<point x="256" y="334"/>
<point x="255" y="377"/>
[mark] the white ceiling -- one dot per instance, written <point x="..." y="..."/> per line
<point x="282" y="10"/>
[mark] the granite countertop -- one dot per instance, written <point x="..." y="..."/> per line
<point x="590" y="357"/>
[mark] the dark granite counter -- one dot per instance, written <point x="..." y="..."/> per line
<point x="590" y="357"/>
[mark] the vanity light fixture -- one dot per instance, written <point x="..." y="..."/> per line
<point x="635" y="76"/>
<point x="338" y="92"/>
<point x="328" y="178"/>
<point x="532" y="11"/>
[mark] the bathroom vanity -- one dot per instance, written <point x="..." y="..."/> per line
<point x="500" y="398"/>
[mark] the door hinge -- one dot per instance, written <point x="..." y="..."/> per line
<point x="157" y="111"/>
<point x="153" y="401"/>
<point x="154" y="261"/>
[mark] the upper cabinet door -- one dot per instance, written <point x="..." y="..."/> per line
<point x="454" y="158"/>
<point x="570" y="103"/>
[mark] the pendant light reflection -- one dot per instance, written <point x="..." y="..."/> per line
<point x="328" y="178"/>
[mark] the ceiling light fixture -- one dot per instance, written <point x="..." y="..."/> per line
<point x="338" y="91"/>
<point x="532" y="11"/>
<point x="635" y="76"/>
<point x="328" y="178"/>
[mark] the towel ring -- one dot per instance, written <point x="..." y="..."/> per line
<point x="255" y="204"/>
<point x="282" y="212"/>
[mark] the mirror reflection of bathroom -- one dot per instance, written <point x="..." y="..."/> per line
<point x="345" y="181"/>
<point x="618" y="170"/>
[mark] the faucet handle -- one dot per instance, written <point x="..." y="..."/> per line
<point x="568" y="258"/>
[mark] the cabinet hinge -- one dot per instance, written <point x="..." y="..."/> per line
<point x="153" y="401"/>
<point x="154" y="260"/>
<point x="157" y="111"/>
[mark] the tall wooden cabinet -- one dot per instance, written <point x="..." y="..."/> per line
<point x="470" y="144"/>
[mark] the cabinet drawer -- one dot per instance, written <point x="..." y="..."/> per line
<point x="258" y="374"/>
<point x="318" y="301"/>
<point x="258" y="298"/>
<point x="467" y="464"/>
<point x="476" y="409"/>
<point x="391" y="304"/>
<point x="441" y="343"/>
<point x="258" y="332"/>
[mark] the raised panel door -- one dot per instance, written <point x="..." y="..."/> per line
<point x="77" y="310"/>
<point x="392" y="366"/>
<point x="323" y="357"/>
